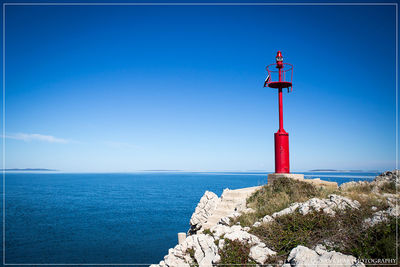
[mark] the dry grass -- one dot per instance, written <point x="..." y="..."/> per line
<point x="370" y="195"/>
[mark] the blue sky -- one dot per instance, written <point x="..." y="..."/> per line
<point x="125" y="88"/>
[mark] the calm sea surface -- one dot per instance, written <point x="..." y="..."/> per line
<point x="111" y="218"/>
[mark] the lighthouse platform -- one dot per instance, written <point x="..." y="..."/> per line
<point x="300" y="177"/>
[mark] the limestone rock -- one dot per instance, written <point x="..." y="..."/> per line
<point x="248" y="210"/>
<point x="286" y="211"/>
<point x="303" y="256"/>
<point x="257" y="224"/>
<point x="349" y="185"/>
<point x="315" y="204"/>
<point x="219" y="230"/>
<point x="205" y="250"/>
<point x="260" y="253"/>
<point x="208" y="203"/>
<point x="221" y="243"/>
<point x="392" y="199"/>
<point x="242" y="236"/>
<point x="267" y="219"/>
<point x="380" y="180"/>
<point x="387" y="177"/>
<point x="226" y="220"/>
<point x="382" y="216"/>
<point x="176" y="257"/>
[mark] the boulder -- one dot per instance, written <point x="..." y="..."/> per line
<point x="226" y="220"/>
<point x="242" y="236"/>
<point x="267" y="219"/>
<point x="303" y="256"/>
<point x="220" y="229"/>
<point x="257" y="224"/>
<point x="286" y="211"/>
<point x="260" y="252"/>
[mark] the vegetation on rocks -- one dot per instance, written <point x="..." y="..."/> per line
<point x="296" y="223"/>
<point x="191" y="254"/>
<point x="289" y="231"/>
<point x="235" y="252"/>
<point x="345" y="232"/>
<point x="376" y="242"/>
<point x="207" y="232"/>
<point x="278" y="196"/>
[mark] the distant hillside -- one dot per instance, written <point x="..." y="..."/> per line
<point x="333" y="170"/>
<point x="29" y="170"/>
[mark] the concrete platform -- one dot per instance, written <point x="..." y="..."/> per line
<point x="295" y="176"/>
<point x="300" y="177"/>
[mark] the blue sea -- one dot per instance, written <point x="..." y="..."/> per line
<point x="122" y="218"/>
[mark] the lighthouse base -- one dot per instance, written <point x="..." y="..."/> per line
<point x="281" y="151"/>
<point x="300" y="177"/>
<point x="294" y="176"/>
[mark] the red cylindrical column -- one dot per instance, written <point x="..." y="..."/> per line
<point x="282" y="152"/>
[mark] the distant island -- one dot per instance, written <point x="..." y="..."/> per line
<point x="29" y="170"/>
<point x="161" y="170"/>
<point x="333" y="170"/>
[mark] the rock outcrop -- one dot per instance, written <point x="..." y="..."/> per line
<point x="382" y="216"/>
<point x="203" y="248"/>
<point x="380" y="180"/>
<point x="388" y="177"/>
<point x="302" y="257"/>
<point x="231" y="201"/>
<point x="207" y="205"/>
<point x="328" y="206"/>
<point x="200" y="248"/>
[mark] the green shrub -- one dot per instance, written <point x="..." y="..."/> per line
<point x="235" y="252"/>
<point x="207" y="232"/>
<point x="377" y="242"/>
<point x="289" y="231"/>
<point x="191" y="254"/>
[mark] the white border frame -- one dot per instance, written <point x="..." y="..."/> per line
<point x="177" y="4"/>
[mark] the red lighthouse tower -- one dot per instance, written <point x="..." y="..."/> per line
<point x="279" y="77"/>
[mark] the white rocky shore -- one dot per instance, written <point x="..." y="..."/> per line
<point x="202" y="249"/>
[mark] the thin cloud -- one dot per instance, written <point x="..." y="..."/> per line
<point x="36" y="137"/>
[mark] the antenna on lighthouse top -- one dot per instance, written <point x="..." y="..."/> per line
<point x="279" y="74"/>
